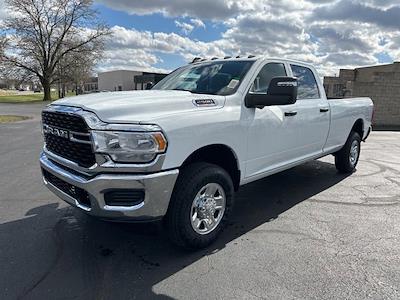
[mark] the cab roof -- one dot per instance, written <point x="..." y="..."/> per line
<point x="199" y="60"/>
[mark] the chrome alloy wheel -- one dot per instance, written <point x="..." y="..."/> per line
<point x="208" y="208"/>
<point x="354" y="153"/>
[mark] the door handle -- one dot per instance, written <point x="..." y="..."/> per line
<point x="290" y="113"/>
<point x="324" y="110"/>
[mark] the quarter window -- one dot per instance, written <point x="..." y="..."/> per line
<point x="308" y="88"/>
<point x="263" y="79"/>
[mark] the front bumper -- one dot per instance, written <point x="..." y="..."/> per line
<point x="368" y="133"/>
<point x="157" y="187"/>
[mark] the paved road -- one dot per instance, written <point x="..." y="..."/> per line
<point x="307" y="233"/>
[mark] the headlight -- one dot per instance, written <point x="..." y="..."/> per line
<point x="132" y="147"/>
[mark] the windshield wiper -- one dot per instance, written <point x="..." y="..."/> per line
<point x="194" y="92"/>
<point x="205" y="93"/>
<point x="178" y="89"/>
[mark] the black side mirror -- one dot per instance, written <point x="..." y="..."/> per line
<point x="281" y="91"/>
<point x="149" y="86"/>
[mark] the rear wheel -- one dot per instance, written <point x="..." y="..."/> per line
<point x="200" y="205"/>
<point x="347" y="158"/>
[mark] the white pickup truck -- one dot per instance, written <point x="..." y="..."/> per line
<point x="179" y="151"/>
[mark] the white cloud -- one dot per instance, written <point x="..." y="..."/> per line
<point x="330" y="34"/>
<point x="198" y="23"/>
<point x="3" y="12"/>
<point x="210" y="9"/>
<point x="131" y="59"/>
<point x="345" y="10"/>
<point x="133" y="49"/>
<point x="186" y="28"/>
<point x="160" y="42"/>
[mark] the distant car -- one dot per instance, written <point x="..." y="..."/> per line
<point x="21" y="90"/>
<point x="37" y="91"/>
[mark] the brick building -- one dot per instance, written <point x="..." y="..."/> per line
<point x="380" y="83"/>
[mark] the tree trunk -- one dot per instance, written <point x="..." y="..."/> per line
<point x="59" y="88"/>
<point x="47" y="90"/>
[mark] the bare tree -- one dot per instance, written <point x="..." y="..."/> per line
<point x="74" y="70"/>
<point x="42" y="33"/>
<point x="2" y="45"/>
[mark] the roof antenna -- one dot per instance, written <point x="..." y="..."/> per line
<point x="251" y="56"/>
<point x="238" y="56"/>
<point x="227" y="57"/>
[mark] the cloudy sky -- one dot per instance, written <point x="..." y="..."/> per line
<point x="165" y="34"/>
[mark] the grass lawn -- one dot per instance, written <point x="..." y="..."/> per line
<point x="9" y="118"/>
<point x="31" y="98"/>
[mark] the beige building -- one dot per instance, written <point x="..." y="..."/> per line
<point x="126" y="80"/>
<point x="120" y="80"/>
<point x="380" y="83"/>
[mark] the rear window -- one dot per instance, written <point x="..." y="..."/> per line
<point x="307" y="85"/>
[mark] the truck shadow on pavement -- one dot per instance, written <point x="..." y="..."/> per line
<point x="58" y="253"/>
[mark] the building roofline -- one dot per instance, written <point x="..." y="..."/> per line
<point x="121" y="70"/>
<point x="378" y="65"/>
<point x="132" y="71"/>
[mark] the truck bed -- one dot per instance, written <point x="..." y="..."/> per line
<point x="344" y="112"/>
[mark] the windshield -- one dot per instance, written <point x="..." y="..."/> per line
<point x="217" y="78"/>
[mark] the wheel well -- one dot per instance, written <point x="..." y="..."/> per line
<point x="220" y="155"/>
<point x="359" y="127"/>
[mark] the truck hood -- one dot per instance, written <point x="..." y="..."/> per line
<point x="142" y="106"/>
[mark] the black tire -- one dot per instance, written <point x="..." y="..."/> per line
<point x="192" y="179"/>
<point x="344" y="160"/>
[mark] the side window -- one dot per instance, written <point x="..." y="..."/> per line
<point x="263" y="78"/>
<point x="308" y="88"/>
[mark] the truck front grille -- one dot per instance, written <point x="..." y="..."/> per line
<point x="75" y="151"/>
<point x="77" y="193"/>
<point x="65" y="121"/>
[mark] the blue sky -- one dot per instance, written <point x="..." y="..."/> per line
<point x="162" y="35"/>
<point x="159" y="23"/>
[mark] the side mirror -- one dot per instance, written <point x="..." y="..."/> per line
<point x="281" y="91"/>
<point x="149" y="86"/>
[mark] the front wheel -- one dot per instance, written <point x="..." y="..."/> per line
<point x="347" y="158"/>
<point x="200" y="205"/>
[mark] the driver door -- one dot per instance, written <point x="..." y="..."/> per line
<point x="272" y="134"/>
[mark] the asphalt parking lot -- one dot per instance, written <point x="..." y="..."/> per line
<point x="306" y="233"/>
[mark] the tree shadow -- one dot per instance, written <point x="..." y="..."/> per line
<point x="62" y="253"/>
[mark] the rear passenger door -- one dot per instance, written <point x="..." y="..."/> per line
<point x="313" y="115"/>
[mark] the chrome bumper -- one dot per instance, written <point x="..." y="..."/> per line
<point x="157" y="186"/>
